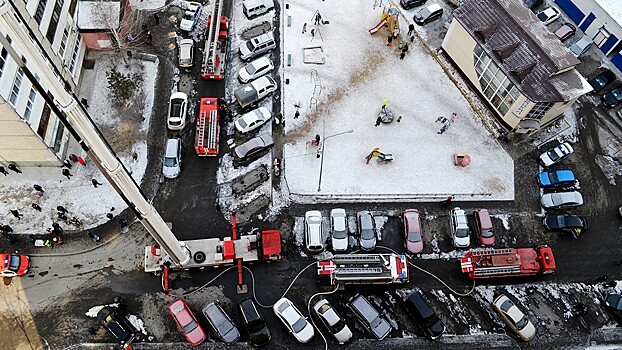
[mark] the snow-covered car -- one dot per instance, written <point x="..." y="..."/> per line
<point x="556" y="178"/>
<point x="220" y="323"/>
<point x="293" y="319"/>
<point x="192" y="14"/>
<point x="581" y="46"/>
<point x="335" y="324"/>
<point x="171" y="166"/>
<point x="565" y="31"/>
<point x="186" y="53"/>
<point x="250" y="93"/>
<point x="252" y="120"/>
<point x="514" y="318"/>
<point x="313" y="231"/>
<point x="187" y="323"/>
<point x="459" y="228"/>
<point x="412" y="231"/>
<point x="369" y="317"/>
<point x="255" y="69"/>
<point x="548" y="15"/>
<point x="367" y="230"/>
<point x="12" y="265"/>
<point x="428" y="14"/>
<point x="177" y="110"/>
<point x="556" y="154"/>
<point x="560" y="200"/>
<point x="254" y="146"/>
<point x="338" y="230"/>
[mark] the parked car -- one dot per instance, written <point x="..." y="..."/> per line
<point x="613" y="302"/>
<point x="255" y="8"/>
<point x="191" y="16"/>
<point x="313" y="231"/>
<point x="565" y="31"/>
<point x="186" y="53"/>
<point x="252" y="120"/>
<point x="601" y="80"/>
<point x="335" y="324"/>
<point x="566" y="223"/>
<point x="548" y="15"/>
<point x="177" y="111"/>
<point x="220" y="323"/>
<point x="367" y="230"/>
<point x="171" y="166"/>
<point x="14" y="265"/>
<point x="424" y="316"/>
<point x="339" y="230"/>
<point x="248" y="94"/>
<point x="258" y="332"/>
<point x="428" y="14"/>
<point x="293" y="319"/>
<point x="561" y="200"/>
<point x="255" y="69"/>
<point x="556" y="154"/>
<point x="187" y="323"/>
<point x="369" y="317"/>
<point x="556" y="178"/>
<point x="532" y="4"/>
<point x="253" y="146"/>
<point x="119" y="328"/>
<point x="613" y="97"/>
<point x="459" y="228"/>
<point x="408" y="4"/>
<point x="412" y="231"/>
<point x="514" y="318"/>
<point x="483" y="228"/>
<point x="256" y="46"/>
<point x="581" y="46"/>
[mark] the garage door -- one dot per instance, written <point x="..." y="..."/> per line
<point x="571" y="10"/>
<point x="617" y="60"/>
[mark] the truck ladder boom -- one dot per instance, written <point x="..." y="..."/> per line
<point x="489" y="271"/>
<point x="211" y="42"/>
<point x="486" y="252"/>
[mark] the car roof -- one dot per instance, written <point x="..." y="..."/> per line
<point x="484" y="218"/>
<point x="362" y="305"/>
<point x="418" y="304"/>
<point x="564" y="175"/>
<point x="414" y="221"/>
<point x="171" y="147"/>
<point x="434" y="7"/>
<point x="249" y="310"/>
<point x="181" y="312"/>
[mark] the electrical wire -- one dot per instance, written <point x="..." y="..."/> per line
<point x="311" y="316"/>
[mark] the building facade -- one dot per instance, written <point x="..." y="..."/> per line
<point x="526" y="75"/>
<point x="32" y="135"/>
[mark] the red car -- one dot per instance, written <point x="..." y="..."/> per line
<point x="412" y="231"/>
<point x="483" y="228"/>
<point x="187" y="323"/>
<point x="12" y="265"/>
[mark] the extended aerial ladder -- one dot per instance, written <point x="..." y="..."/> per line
<point x="213" y="66"/>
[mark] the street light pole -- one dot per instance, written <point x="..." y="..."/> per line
<point x="319" y="182"/>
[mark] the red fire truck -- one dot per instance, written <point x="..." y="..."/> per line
<point x="215" y="50"/>
<point x="364" y="269"/>
<point x="206" y="138"/>
<point x="490" y="263"/>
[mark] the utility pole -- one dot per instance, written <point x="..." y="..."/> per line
<point x="74" y="116"/>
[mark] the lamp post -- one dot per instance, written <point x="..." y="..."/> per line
<point x="319" y="182"/>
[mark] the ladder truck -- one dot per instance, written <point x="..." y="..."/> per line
<point x="215" y="50"/>
<point x="508" y="262"/>
<point x="363" y="269"/>
<point x="208" y="128"/>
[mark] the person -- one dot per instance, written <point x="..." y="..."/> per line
<point x="317" y="139"/>
<point x="67" y="174"/>
<point x="67" y="163"/>
<point x="110" y="216"/>
<point x="7" y="229"/>
<point x="38" y="188"/>
<point x="36" y="207"/>
<point x="378" y="120"/>
<point x="16" y="213"/>
<point x="405" y="47"/>
<point x="156" y="18"/>
<point x="95" y="183"/>
<point x="62" y="209"/>
<point x="390" y="40"/>
<point x="14" y="168"/>
<point x="81" y="161"/>
<point x="319" y="152"/>
<point x="3" y="170"/>
<point x="304" y="28"/>
<point x="402" y="54"/>
<point x="313" y="33"/>
<point x="92" y="330"/>
<point x="123" y="223"/>
<point x="411" y="29"/>
<point x="447" y="202"/>
<point x="297" y="114"/>
<point x="62" y="216"/>
<point x="73" y="157"/>
<point x="318" y="18"/>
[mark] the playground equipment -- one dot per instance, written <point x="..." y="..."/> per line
<point x="386" y="115"/>
<point x="462" y="159"/>
<point x="375" y="153"/>
<point x="390" y="17"/>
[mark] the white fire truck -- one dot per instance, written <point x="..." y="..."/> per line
<point x="213" y="66"/>
<point x="364" y="269"/>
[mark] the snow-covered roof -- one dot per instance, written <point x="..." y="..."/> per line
<point x="98" y="14"/>
<point x="613" y="8"/>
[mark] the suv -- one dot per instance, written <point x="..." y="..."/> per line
<point x="258" y="332"/>
<point x="459" y="228"/>
<point x="483" y="228"/>
<point x="369" y="317"/>
<point x="408" y="4"/>
<point x="423" y="314"/>
<point x="313" y="231"/>
<point x="257" y="46"/>
<point x="220" y="323"/>
<point x="117" y="325"/>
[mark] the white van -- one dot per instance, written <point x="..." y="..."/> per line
<point x="254" y="8"/>
<point x="257" y="46"/>
<point x="186" y="53"/>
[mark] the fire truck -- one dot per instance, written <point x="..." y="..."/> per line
<point x="208" y="128"/>
<point x="213" y="66"/>
<point x="363" y="269"/>
<point x="490" y="263"/>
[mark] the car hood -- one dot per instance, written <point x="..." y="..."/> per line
<point x="243" y="74"/>
<point x="380" y="328"/>
<point x="343" y="335"/>
<point x="339" y="244"/>
<point x="368" y="243"/>
<point x="261" y="337"/>
<point x="435" y="330"/>
<point x="186" y="24"/>
<point x="305" y="334"/>
<point x="414" y="247"/>
<point x="544" y="178"/>
<point x="462" y="241"/>
<point x="171" y="172"/>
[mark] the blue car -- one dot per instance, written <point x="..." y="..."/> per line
<point x="556" y="178"/>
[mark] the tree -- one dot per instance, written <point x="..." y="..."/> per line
<point x="123" y="24"/>
<point x="122" y="86"/>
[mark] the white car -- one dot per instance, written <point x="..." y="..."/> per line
<point x="338" y="230"/>
<point x="514" y="318"/>
<point x="313" y="231"/>
<point x="252" y="120"/>
<point x="192" y="14"/>
<point x="338" y="328"/>
<point x="177" y="110"/>
<point x="556" y="155"/>
<point x="561" y="200"/>
<point x="293" y="320"/>
<point x="548" y="15"/>
<point x="459" y="228"/>
<point x="186" y="53"/>
<point x="255" y="69"/>
<point x="171" y="166"/>
<point x="581" y="46"/>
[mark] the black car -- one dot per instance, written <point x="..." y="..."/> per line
<point x="567" y="223"/>
<point x="258" y="332"/>
<point x="408" y="4"/>
<point x="532" y="4"/>
<point x="424" y="316"/>
<point x="612" y="98"/>
<point x="117" y="325"/>
<point x="603" y="79"/>
<point x="613" y="302"/>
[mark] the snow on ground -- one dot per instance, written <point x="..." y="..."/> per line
<point x="505" y="219"/>
<point x="78" y="195"/>
<point x="360" y="72"/>
<point x="147" y="4"/>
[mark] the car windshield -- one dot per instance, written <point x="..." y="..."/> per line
<point x="553" y="177"/>
<point x="553" y="155"/>
<point x="367" y="234"/>
<point x="487" y="233"/>
<point x="337" y="327"/>
<point x="170" y="161"/>
<point x="189" y="16"/>
<point x="543" y="16"/>
<point x="424" y="13"/>
<point x="299" y="325"/>
<point x="190" y="327"/>
<point x="414" y="237"/>
<point x="250" y="46"/>
<point x="617" y="93"/>
<point x="176" y="108"/>
<point x="255" y="326"/>
<point x="601" y="80"/>
<point x="250" y="69"/>
<point x="462" y="232"/>
<point x="14" y="263"/>
<point x="340" y="234"/>
<point x="242" y="123"/>
<point x="522" y="323"/>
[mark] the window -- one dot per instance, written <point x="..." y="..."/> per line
<point x="58" y="5"/>
<point x="495" y="85"/>
<point x="539" y="110"/>
<point x="31" y="101"/>
<point x="40" y="10"/>
<point x="63" y="42"/>
<point x="72" y="7"/>
<point x="74" y="54"/>
<point x="17" y="84"/>
<point x="3" y="54"/>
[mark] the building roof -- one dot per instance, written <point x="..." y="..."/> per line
<point x="98" y="14"/>
<point x="536" y="61"/>
<point x="613" y="8"/>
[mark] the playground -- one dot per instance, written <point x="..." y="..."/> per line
<point x="391" y="128"/>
